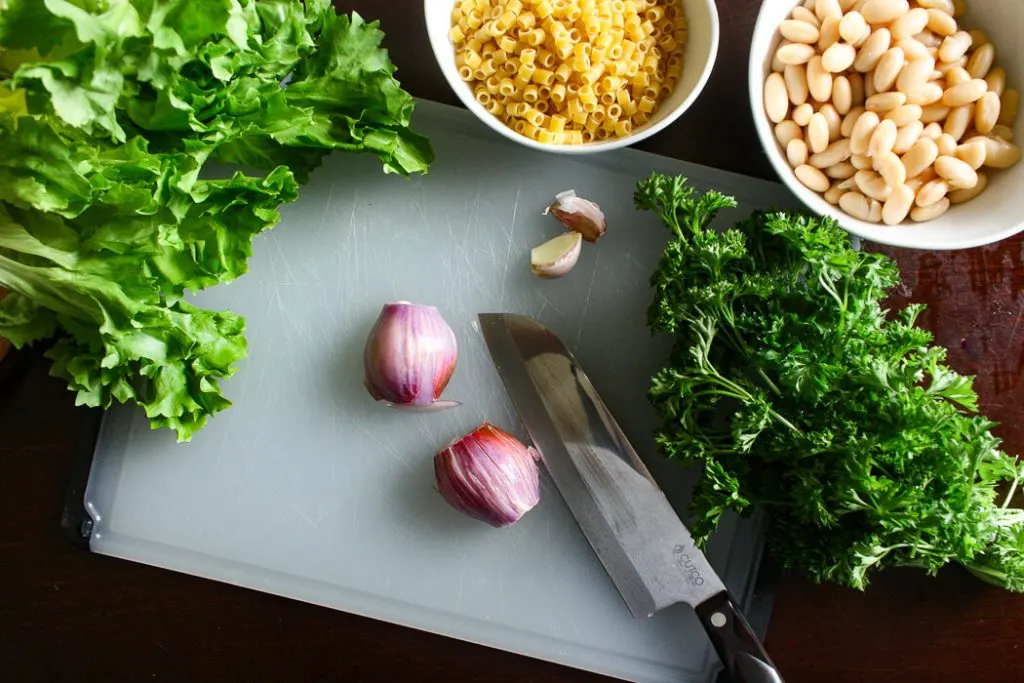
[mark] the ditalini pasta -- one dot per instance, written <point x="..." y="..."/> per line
<point x="570" y="71"/>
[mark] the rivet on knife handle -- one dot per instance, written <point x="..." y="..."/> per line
<point x="739" y="649"/>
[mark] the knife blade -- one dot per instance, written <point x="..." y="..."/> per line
<point x="643" y="545"/>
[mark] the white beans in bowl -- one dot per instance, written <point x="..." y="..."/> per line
<point x="890" y="109"/>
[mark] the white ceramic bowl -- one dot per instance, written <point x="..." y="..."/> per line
<point x="698" y="61"/>
<point x="997" y="214"/>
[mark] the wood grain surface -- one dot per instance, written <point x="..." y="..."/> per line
<point x="66" y="615"/>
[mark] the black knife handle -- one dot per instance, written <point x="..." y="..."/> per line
<point x="739" y="649"/>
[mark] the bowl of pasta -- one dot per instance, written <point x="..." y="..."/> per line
<point x="575" y="76"/>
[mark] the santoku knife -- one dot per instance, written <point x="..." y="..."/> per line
<point x="644" y="546"/>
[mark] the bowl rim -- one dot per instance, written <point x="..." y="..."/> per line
<point x="891" y="236"/>
<point x="462" y="92"/>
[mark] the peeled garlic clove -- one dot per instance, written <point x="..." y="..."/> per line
<point x="409" y="357"/>
<point x="578" y="214"/>
<point x="557" y="256"/>
<point x="489" y="475"/>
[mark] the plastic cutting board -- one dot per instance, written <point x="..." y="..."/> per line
<point x="308" y="489"/>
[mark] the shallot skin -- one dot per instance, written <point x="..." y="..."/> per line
<point x="489" y="475"/>
<point x="410" y="356"/>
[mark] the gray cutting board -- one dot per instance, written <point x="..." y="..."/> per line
<point x="306" y="488"/>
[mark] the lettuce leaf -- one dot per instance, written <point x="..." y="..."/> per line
<point x="110" y="112"/>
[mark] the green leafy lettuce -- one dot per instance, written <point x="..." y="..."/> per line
<point x="110" y="111"/>
<point x="799" y="393"/>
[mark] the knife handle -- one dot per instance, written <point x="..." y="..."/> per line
<point x="739" y="649"/>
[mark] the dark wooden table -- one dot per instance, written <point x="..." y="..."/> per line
<point x="66" y="615"/>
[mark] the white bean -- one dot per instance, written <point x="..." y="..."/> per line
<point x="855" y="204"/>
<point x="836" y="152"/>
<point x="847" y="5"/>
<point x="860" y="136"/>
<point x="795" y="53"/>
<point x="933" y="131"/>
<point x="909" y="24"/>
<point x="1009" y="103"/>
<point x="804" y="14"/>
<point x="972" y="152"/>
<point x="955" y="46"/>
<point x="940" y="23"/>
<point x="898" y="205"/>
<point x="833" y="194"/>
<point x="819" y="81"/>
<point x="796" y="153"/>
<point x="922" y="214"/>
<point x="999" y="153"/>
<point x="817" y="133"/>
<point x="944" y="5"/>
<point x="1003" y="132"/>
<point x="834" y="121"/>
<point x="933" y="113"/>
<point x="957" y="173"/>
<point x="915" y="73"/>
<point x="888" y="69"/>
<point x="926" y="94"/>
<point x="986" y="113"/>
<point x="912" y="49"/>
<point x="979" y="64"/>
<point x="996" y="80"/>
<point x="861" y="162"/>
<point x="776" y="102"/>
<point x="979" y="38"/>
<point x="848" y="184"/>
<point x="872" y="185"/>
<point x="846" y="128"/>
<point x="795" y="77"/>
<point x="884" y="11"/>
<point x="928" y="39"/>
<point x="907" y="136"/>
<point x="824" y="9"/>
<point x="886" y="101"/>
<point x="957" y="76"/>
<point x="829" y="34"/>
<point x="904" y="115"/>
<point x="931" y="192"/>
<point x="841" y="171"/>
<point x="802" y="114"/>
<point x="786" y="131"/>
<point x="875" y="216"/>
<point x="965" y="93"/>
<point x="891" y="169"/>
<point x="922" y="155"/>
<point x="842" y="96"/>
<point x="812" y="178"/>
<point x="872" y="50"/>
<point x="958" y="120"/>
<point x="882" y="139"/>
<point x="967" y="194"/>
<point x="852" y="27"/>
<point x="947" y="145"/>
<point x="799" y="31"/>
<point x="838" y="58"/>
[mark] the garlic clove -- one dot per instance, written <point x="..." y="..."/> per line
<point x="489" y="475"/>
<point x="409" y="357"/>
<point x="578" y="214"/>
<point x="557" y="256"/>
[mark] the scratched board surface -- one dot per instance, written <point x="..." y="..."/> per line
<point x="307" y="488"/>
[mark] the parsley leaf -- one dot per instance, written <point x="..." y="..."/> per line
<point x="800" y="393"/>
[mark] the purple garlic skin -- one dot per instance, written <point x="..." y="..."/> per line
<point x="578" y="214"/>
<point x="409" y="357"/>
<point x="489" y="475"/>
